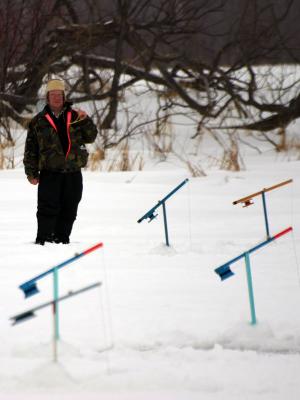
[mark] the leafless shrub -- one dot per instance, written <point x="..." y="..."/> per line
<point x="95" y="159"/>
<point x="147" y="41"/>
<point x="195" y="169"/>
<point x="230" y="159"/>
<point x="7" y="159"/>
<point x="124" y="161"/>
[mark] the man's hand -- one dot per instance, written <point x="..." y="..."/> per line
<point x="33" y="181"/>
<point x="81" y="114"/>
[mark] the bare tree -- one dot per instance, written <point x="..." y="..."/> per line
<point x="179" y="47"/>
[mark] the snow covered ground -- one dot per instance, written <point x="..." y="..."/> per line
<point x="162" y="326"/>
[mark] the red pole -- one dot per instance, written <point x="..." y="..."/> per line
<point x="93" y="248"/>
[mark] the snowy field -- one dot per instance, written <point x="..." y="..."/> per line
<point x="162" y="326"/>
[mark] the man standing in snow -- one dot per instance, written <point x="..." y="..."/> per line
<point x="54" y="154"/>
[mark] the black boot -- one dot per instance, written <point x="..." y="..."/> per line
<point x="50" y="238"/>
<point x="40" y="241"/>
<point x="63" y="240"/>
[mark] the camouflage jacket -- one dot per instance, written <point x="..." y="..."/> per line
<point x="43" y="148"/>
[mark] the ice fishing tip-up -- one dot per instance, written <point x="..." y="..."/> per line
<point x="150" y="215"/>
<point x="30" y="287"/>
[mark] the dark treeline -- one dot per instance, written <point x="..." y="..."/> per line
<point x="267" y="31"/>
<point x="191" y="53"/>
<point x="263" y="31"/>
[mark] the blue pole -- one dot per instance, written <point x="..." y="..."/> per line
<point x="55" y="299"/>
<point x="29" y="288"/>
<point x="224" y="269"/>
<point x="165" y="223"/>
<point x="24" y="316"/>
<point x="55" y="319"/>
<point x="265" y="214"/>
<point x="250" y="288"/>
<point x="150" y="214"/>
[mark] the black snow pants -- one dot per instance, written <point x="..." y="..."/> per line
<point x="59" y="194"/>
